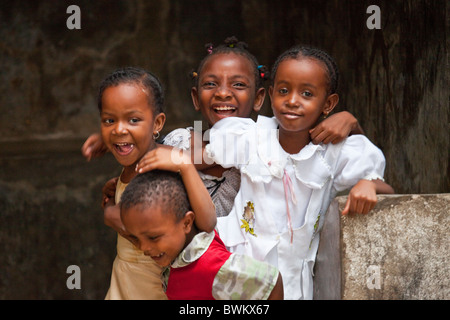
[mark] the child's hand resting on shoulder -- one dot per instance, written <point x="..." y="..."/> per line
<point x="164" y="157"/>
<point x="335" y="128"/>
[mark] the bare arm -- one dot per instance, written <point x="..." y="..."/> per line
<point x="173" y="159"/>
<point x="362" y="198"/>
<point x="335" y="128"/>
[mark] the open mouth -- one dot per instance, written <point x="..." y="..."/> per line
<point x="224" y="109"/>
<point x="123" y="148"/>
<point x="157" y="257"/>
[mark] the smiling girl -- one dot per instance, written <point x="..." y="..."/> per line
<point x="287" y="182"/>
<point x="131" y="102"/>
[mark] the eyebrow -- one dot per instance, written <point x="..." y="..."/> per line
<point x="127" y="114"/>
<point x="233" y="77"/>
<point x="283" y="82"/>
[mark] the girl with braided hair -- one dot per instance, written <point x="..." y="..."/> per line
<point x="287" y="181"/>
<point x="229" y="82"/>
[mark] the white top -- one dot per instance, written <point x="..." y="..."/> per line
<point x="223" y="189"/>
<point x="260" y="223"/>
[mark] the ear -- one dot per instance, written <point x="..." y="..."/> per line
<point x="194" y="96"/>
<point x="188" y="220"/>
<point x="158" y="124"/>
<point x="259" y="99"/>
<point x="270" y="92"/>
<point x="331" y="102"/>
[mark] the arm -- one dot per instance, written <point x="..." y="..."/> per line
<point x="363" y="196"/>
<point x="173" y="159"/>
<point x="335" y="128"/>
<point x="93" y="147"/>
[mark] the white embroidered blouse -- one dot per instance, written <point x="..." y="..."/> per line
<point x="279" y="208"/>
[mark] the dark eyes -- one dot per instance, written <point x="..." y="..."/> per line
<point x="284" y="91"/>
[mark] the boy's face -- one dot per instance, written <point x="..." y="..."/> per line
<point x="156" y="233"/>
<point x="226" y="88"/>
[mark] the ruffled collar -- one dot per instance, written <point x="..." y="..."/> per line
<point x="309" y="165"/>
<point x="194" y="250"/>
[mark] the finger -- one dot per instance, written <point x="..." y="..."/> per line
<point x="320" y="137"/>
<point x="346" y="207"/>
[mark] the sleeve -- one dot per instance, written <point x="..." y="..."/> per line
<point x="244" y="278"/>
<point x="179" y="138"/>
<point x="359" y="159"/>
<point x="230" y="142"/>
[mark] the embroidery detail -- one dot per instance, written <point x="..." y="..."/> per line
<point x="249" y="218"/>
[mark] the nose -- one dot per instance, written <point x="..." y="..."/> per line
<point x="120" y="128"/>
<point x="145" y="248"/>
<point x="294" y="100"/>
<point x="223" y="92"/>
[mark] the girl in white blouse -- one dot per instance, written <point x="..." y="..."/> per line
<point x="287" y="182"/>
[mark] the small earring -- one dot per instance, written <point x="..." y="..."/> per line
<point x="325" y="114"/>
<point x="156" y="136"/>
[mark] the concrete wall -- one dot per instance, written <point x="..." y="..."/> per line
<point x="398" y="251"/>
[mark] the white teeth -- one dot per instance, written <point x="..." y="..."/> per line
<point x="224" y="108"/>
<point x="124" y="144"/>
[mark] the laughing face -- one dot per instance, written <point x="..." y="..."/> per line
<point x="226" y="88"/>
<point x="128" y="123"/>
<point x="157" y="233"/>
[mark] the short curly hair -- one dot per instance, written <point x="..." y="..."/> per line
<point x="157" y="188"/>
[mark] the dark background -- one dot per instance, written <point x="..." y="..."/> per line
<point x="394" y="80"/>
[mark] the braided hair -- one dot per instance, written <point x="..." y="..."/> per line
<point x="233" y="45"/>
<point x="299" y="52"/>
<point x="141" y="77"/>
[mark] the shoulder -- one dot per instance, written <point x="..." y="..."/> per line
<point x="179" y="138"/>
<point x="233" y="123"/>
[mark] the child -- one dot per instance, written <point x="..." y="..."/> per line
<point x="130" y="102"/>
<point x="229" y="83"/>
<point x="156" y="212"/>
<point x="287" y="182"/>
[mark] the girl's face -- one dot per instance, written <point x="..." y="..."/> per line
<point x="226" y="88"/>
<point x="299" y="94"/>
<point x="156" y="233"/>
<point x="128" y="123"/>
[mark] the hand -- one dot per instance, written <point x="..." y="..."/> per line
<point x="111" y="217"/>
<point x="93" y="147"/>
<point x="109" y="192"/>
<point x="164" y="158"/>
<point x="334" y="129"/>
<point x="362" y="198"/>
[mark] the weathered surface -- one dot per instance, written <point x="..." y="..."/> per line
<point x="50" y="219"/>
<point x="398" y="251"/>
<point x="395" y="79"/>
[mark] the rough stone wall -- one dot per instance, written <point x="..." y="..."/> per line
<point x="399" y="251"/>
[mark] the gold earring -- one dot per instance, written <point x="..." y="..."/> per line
<point x="325" y="114"/>
<point x="156" y="136"/>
